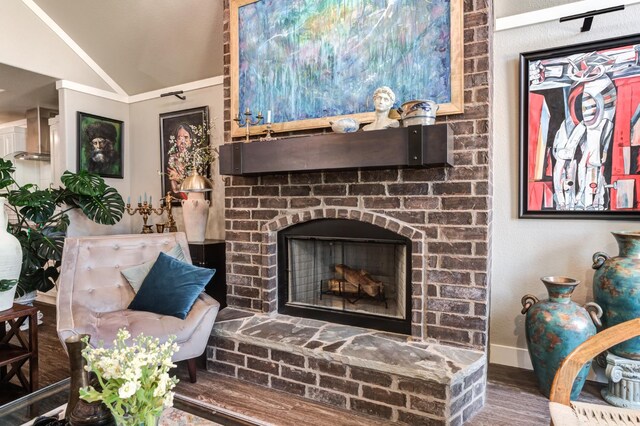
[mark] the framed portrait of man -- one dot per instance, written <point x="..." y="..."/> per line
<point x="100" y="145"/>
<point x="182" y="133"/>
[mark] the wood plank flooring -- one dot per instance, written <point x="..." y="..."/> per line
<point x="512" y="395"/>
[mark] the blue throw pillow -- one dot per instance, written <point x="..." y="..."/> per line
<point x="136" y="274"/>
<point x="171" y="287"/>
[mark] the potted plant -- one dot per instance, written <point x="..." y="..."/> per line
<point x="42" y="220"/>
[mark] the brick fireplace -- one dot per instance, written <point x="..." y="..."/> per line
<point x="445" y="214"/>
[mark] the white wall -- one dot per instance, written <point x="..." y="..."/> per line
<point x="145" y="152"/>
<point x="526" y="249"/>
<point x="504" y="8"/>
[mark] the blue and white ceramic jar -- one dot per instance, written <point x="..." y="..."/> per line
<point x="418" y="112"/>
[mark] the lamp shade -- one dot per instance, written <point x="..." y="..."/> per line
<point x="195" y="182"/>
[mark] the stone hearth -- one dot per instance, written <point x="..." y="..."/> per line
<point x="376" y="373"/>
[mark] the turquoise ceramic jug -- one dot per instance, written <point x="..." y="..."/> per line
<point x="554" y="328"/>
<point x="616" y="288"/>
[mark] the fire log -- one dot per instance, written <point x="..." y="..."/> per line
<point x="361" y="279"/>
<point x="342" y="286"/>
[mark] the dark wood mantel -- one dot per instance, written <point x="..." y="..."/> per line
<point x="414" y="146"/>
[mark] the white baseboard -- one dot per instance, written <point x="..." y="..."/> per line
<point x="511" y="356"/>
<point x="519" y="357"/>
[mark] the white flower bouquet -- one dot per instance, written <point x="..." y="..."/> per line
<point x="134" y="379"/>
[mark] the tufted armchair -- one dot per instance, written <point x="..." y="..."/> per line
<point x="93" y="295"/>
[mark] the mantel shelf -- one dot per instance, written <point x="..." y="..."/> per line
<point x="414" y="146"/>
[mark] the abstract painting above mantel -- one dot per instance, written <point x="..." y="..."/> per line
<point x="313" y="61"/>
<point x="580" y="131"/>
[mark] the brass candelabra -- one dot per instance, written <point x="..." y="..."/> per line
<point x="248" y="122"/>
<point x="145" y="209"/>
<point x="268" y="137"/>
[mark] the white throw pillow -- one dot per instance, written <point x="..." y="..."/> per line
<point x="136" y="274"/>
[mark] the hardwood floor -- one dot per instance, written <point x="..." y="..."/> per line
<point x="513" y="398"/>
<point x="512" y="395"/>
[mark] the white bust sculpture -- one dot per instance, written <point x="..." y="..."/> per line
<point x="383" y="99"/>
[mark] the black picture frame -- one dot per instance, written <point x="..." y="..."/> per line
<point x="100" y="145"/>
<point x="169" y="124"/>
<point x="571" y="97"/>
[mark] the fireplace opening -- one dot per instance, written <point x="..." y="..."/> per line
<point x="345" y="271"/>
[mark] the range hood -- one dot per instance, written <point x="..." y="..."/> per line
<point x="38" y="143"/>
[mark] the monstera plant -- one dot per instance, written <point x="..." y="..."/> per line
<point x="42" y="219"/>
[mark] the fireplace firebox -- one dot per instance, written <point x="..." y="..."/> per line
<point x="347" y="272"/>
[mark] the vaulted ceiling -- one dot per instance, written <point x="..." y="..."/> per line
<point x="145" y="45"/>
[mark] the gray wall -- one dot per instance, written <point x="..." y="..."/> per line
<point x="145" y="151"/>
<point x="525" y="250"/>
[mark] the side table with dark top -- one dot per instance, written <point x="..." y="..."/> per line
<point x="15" y="356"/>
<point x="211" y="254"/>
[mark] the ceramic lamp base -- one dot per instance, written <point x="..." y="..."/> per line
<point x="195" y="212"/>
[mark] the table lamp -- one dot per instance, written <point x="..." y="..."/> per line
<point x="195" y="209"/>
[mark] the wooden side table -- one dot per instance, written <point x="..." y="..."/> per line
<point x="14" y="355"/>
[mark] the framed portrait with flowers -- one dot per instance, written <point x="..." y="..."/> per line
<point x="184" y="135"/>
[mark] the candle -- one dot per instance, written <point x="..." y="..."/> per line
<point x="129" y="200"/>
<point x="140" y="199"/>
<point x="269" y="116"/>
<point x="247" y="111"/>
<point x="145" y="197"/>
<point x="150" y="199"/>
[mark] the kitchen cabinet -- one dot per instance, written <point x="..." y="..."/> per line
<point x="12" y="139"/>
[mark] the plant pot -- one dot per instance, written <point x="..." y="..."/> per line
<point x="6" y="298"/>
<point x="554" y="328"/>
<point x="616" y="288"/>
<point x="10" y="258"/>
<point x="27" y="299"/>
